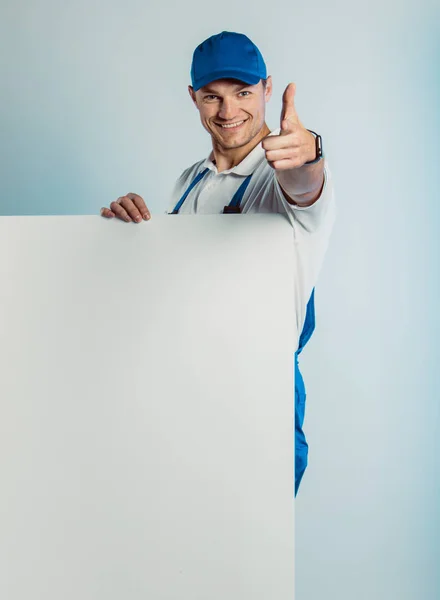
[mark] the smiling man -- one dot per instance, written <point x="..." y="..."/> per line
<point x="253" y="169"/>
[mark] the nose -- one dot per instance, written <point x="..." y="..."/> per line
<point x="228" y="109"/>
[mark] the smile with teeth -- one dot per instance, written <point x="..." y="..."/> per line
<point x="231" y="125"/>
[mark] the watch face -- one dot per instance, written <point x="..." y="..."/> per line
<point x="318" y="142"/>
<point x="318" y="146"/>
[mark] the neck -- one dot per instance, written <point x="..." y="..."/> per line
<point x="227" y="159"/>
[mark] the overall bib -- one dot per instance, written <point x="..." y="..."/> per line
<point x="301" y="447"/>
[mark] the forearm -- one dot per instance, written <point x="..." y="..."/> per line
<point x="302" y="185"/>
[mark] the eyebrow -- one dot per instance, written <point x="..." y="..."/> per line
<point x="238" y="87"/>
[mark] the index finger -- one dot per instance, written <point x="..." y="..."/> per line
<point x="138" y="201"/>
<point x="277" y="142"/>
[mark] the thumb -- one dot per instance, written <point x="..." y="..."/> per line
<point x="288" y="111"/>
<point x="286" y="126"/>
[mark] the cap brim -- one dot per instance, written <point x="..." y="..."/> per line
<point x="243" y="76"/>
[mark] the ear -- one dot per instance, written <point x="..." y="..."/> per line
<point x="193" y="95"/>
<point x="268" y="90"/>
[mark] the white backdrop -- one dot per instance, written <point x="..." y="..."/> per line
<point x="146" y="408"/>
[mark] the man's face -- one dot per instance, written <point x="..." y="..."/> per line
<point x="232" y="111"/>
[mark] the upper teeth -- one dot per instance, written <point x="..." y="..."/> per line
<point x="233" y="124"/>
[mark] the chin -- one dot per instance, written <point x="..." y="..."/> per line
<point x="238" y="142"/>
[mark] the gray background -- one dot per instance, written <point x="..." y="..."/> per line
<point x="94" y="105"/>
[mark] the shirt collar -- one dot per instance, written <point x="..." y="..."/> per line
<point x="247" y="165"/>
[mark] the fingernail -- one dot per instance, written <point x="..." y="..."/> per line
<point x="137" y="219"/>
<point x="128" y="219"/>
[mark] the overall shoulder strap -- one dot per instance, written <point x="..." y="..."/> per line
<point x="193" y="183"/>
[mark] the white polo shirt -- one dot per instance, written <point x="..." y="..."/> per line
<point x="311" y="225"/>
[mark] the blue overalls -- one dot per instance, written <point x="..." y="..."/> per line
<point x="301" y="447"/>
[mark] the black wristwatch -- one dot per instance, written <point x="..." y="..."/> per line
<point x="318" y="146"/>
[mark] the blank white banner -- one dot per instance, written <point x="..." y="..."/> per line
<point x="147" y="408"/>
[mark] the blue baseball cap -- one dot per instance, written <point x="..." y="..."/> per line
<point x="227" y="55"/>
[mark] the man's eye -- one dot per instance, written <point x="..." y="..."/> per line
<point x="245" y="92"/>
<point x="210" y="97"/>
